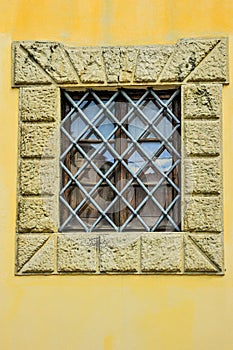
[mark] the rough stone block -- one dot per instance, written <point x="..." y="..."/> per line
<point x="39" y="104"/>
<point x="39" y="140"/>
<point x="202" y="137"/>
<point x="27" y="246"/>
<point x="111" y="57"/>
<point x="150" y="63"/>
<point x="88" y="64"/>
<point x="202" y="101"/>
<point x="127" y="64"/>
<point x="203" y="214"/>
<point x="77" y="252"/>
<point x="187" y="55"/>
<point x="202" y="175"/>
<point x="215" y="66"/>
<point x="52" y="57"/>
<point x="25" y="70"/>
<point x="196" y="260"/>
<point x="212" y="246"/>
<point x="119" y="252"/>
<point x="37" y="215"/>
<point x="38" y="177"/>
<point x="161" y="253"/>
<point x="43" y="259"/>
<point x="119" y="63"/>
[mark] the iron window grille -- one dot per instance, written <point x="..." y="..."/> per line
<point x="120" y="161"/>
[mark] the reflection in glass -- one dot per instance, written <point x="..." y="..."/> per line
<point x="118" y="170"/>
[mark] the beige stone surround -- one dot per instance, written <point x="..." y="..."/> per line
<point x="40" y="69"/>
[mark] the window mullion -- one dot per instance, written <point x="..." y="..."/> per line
<point x="120" y="214"/>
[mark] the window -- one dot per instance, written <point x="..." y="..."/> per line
<point x="120" y="161"/>
<point x="112" y="160"/>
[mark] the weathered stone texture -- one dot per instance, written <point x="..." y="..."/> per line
<point x="43" y="260"/>
<point x="202" y="101"/>
<point x="202" y="175"/>
<point x="150" y="63"/>
<point x="127" y="64"/>
<point x="38" y="177"/>
<point x="202" y="137"/>
<point x="39" y="104"/>
<point x="119" y="253"/>
<point x="88" y="64"/>
<point x="77" y="252"/>
<point x="198" y="61"/>
<point x="37" y="215"/>
<point x="186" y="57"/>
<point x="39" y="140"/>
<point x="26" y="71"/>
<point x="203" y="214"/>
<point x="27" y="246"/>
<point x="52" y="57"/>
<point x="195" y="259"/>
<point x="212" y="246"/>
<point x="215" y="67"/>
<point x="111" y="58"/>
<point x="161" y="253"/>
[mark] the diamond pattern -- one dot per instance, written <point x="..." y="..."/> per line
<point x="118" y="155"/>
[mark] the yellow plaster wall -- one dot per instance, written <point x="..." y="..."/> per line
<point x="110" y="312"/>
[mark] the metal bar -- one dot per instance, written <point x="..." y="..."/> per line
<point x="120" y="158"/>
<point x="152" y="191"/>
<point x="88" y="196"/>
<point x="72" y="211"/>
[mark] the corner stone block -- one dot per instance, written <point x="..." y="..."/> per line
<point x="39" y="140"/>
<point x="203" y="214"/>
<point x="150" y="63"/>
<point x="43" y="260"/>
<point x="202" y="175"/>
<point x="202" y="138"/>
<point x="212" y="246"/>
<point x="187" y="56"/>
<point x="38" y="177"/>
<point x="161" y="253"/>
<point x="51" y="56"/>
<point x="202" y="101"/>
<point x="37" y="215"/>
<point x="27" y="246"/>
<point x="39" y="104"/>
<point x="77" y="252"/>
<point x="196" y="260"/>
<point x="214" y="68"/>
<point x="119" y="253"/>
<point x="25" y="70"/>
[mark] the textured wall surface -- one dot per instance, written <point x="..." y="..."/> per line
<point x="191" y="64"/>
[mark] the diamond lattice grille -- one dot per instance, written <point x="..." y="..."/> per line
<point x="120" y="161"/>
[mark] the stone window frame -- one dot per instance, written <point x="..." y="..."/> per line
<point x="40" y="69"/>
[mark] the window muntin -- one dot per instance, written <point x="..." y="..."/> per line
<point x="120" y="161"/>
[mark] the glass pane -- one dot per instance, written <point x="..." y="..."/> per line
<point x="136" y="126"/>
<point x="164" y="161"/>
<point x="150" y="108"/>
<point x="90" y="108"/>
<point x="150" y="147"/>
<point x="165" y="127"/>
<point x="135" y="161"/>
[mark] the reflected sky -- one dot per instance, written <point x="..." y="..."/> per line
<point x="136" y="127"/>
